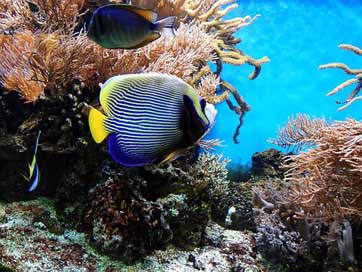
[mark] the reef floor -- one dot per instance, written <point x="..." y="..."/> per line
<point x="31" y="239"/>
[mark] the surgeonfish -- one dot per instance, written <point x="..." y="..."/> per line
<point x="149" y="118"/>
<point x="34" y="173"/>
<point x="127" y="26"/>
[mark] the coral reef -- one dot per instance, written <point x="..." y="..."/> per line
<point x="28" y="243"/>
<point x="268" y="163"/>
<point x="325" y="180"/>
<point x="48" y="52"/>
<point x="168" y="211"/>
<point x="123" y="224"/>
<point x="356" y="80"/>
<point x="318" y="201"/>
<point x="233" y="207"/>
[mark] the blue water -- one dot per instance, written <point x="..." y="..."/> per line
<point x="297" y="36"/>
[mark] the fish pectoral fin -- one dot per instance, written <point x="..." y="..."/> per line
<point x="148" y="14"/>
<point x="96" y="125"/>
<point x="150" y="38"/>
<point x="25" y="177"/>
<point x="174" y="155"/>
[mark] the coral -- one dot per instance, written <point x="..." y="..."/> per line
<point x="299" y="132"/>
<point x="325" y="180"/>
<point x="31" y="63"/>
<point x="268" y="163"/>
<point x="44" y="48"/>
<point x="233" y="207"/>
<point x="40" y="15"/>
<point x="356" y="80"/>
<point x="208" y="177"/>
<point x="277" y="242"/>
<point x="124" y="225"/>
<point x="28" y="245"/>
<point x="209" y="171"/>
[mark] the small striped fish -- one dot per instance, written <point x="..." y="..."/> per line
<point x="150" y="117"/>
<point x="34" y="173"/>
<point x="127" y="26"/>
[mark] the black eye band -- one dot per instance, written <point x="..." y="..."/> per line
<point x="203" y="104"/>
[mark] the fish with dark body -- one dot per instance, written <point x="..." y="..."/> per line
<point x="122" y="26"/>
<point x="150" y="118"/>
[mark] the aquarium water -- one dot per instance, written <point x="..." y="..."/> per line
<point x="297" y="36"/>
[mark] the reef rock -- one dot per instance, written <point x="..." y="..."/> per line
<point x="268" y="163"/>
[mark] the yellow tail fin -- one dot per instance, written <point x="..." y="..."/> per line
<point x="96" y="124"/>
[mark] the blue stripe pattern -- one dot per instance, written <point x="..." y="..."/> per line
<point x="146" y="115"/>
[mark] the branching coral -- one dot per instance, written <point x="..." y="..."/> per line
<point x="225" y="46"/>
<point x="53" y="53"/>
<point x="299" y="132"/>
<point x="356" y="80"/>
<point x="325" y="181"/>
<point x="209" y="170"/>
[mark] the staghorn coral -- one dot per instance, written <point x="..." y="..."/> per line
<point x="325" y="181"/>
<point x="356" y="80"/>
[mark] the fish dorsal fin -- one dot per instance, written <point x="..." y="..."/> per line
<point x="150" y="38"/>
<point x="147" y="14"/>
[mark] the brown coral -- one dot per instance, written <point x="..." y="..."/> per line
<point x="356" y="80"/>
<point x="41" y="15"/>
<point x="325" y="181"/>
<point x="299" y="132"/>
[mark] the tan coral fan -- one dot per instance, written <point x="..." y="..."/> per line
<point x="325" y="181"/>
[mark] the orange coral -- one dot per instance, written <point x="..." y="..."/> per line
<point x="57" y="54"/>
<point x="52" y="15"/>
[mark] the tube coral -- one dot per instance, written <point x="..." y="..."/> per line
<point x="325" y="181"/>
<point x="356" y="80"/>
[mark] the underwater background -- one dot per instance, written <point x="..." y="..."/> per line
<point x="78" y="108"/>
<point x="297" y="36"/>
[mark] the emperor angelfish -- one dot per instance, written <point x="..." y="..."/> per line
<point x="124" y="26"/>
<point x="150" y="118"/>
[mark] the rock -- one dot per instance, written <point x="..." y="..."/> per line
<point x="268" y="163"/>
<point x="238" y="196"/>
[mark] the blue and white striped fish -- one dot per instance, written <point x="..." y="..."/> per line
<point x="150" y="117"/>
